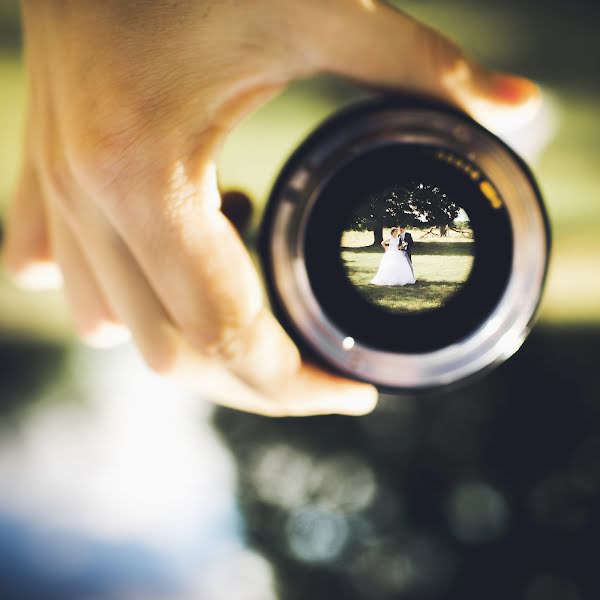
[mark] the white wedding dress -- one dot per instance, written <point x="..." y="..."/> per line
<point x="394" y="268"/>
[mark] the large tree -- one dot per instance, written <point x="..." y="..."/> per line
<point x="432" y="207"/>
<point x="415" y="204"/>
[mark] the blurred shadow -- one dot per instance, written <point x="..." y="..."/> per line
<point x="487" y="491"/>
<point x="26" y="367"/>
<point x="10" y="26"/>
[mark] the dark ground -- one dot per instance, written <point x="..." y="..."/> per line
<point x="488" y="491"/>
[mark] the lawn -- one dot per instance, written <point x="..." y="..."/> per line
<point x="441" y="266"/>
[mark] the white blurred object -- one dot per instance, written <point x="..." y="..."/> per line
<point x="136" y="465"/>
<point x="245" y="576"/>
<point x="533" y="131"/>
<point x="39" y="276"/>
<point x="135" y="461"/>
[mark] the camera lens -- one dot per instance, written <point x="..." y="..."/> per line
<point x="405" y="245"/>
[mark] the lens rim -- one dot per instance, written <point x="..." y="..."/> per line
<point x="330" y="148"/>
<point x="404" y="332"/>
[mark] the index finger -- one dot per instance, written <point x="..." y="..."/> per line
<point x="388" y="49"/>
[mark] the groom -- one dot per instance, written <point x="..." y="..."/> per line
<point x="406" y="237"/>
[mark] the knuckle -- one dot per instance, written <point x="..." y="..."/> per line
<point x="100" y="165"/>
<point x="117" y="168"/>
<point x="106" y="154"/>
<point x="448" y="63"/>
<point x="221" y="342"/>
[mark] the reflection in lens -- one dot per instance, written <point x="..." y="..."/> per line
<point x="408" y="247"/>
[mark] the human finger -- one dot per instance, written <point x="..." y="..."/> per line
<point x="315" y="391"/>
<point x="270" y="386"/>
<point x="202" y="272"/>
<point x="391" y="50"/>
<point x="93" y="317"/>
<point x="120" y="279"/>
<point x="310" y="391"/>
<point x="26" y="250"/>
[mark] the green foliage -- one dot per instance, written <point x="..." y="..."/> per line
<point x="416" y="204"/>
<point x="431" y="206"/>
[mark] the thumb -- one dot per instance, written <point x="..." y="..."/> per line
<point x="385" y="48"/>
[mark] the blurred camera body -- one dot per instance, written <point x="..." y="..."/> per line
<point x="389" y="151"/>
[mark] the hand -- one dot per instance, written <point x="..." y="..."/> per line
<point x="129" y="104"/>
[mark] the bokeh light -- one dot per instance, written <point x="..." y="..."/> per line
<point x="315" y="534"/>
<point x="477" y="512"/>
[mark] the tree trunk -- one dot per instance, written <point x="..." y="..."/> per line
<point x="443" y="230"/>
<point x="378" y="234"/>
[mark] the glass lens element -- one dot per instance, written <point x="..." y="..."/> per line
<point x="408" y="247"/>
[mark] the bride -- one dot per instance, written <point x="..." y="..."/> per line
<point x="395" y="267"/>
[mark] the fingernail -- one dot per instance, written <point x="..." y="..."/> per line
<point x="39" y="276"/>
<point x="108" y="335"/>
<point x="358" y="400"/>
<point x="513" y="89"/>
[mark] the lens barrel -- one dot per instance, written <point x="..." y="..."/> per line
<point x="377" y="145"/>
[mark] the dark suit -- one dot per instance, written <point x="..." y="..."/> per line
<point x="408" y="239"/>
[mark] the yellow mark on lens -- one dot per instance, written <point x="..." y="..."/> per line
<point x="491" y="194"/>
<point x="459" y="164"/>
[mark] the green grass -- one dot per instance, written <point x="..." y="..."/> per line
<point x="441" y="267"/>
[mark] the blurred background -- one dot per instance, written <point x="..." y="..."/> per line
<point x="115" y="485"/>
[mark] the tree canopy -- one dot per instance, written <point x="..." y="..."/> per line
<point x="415" y="204"/>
